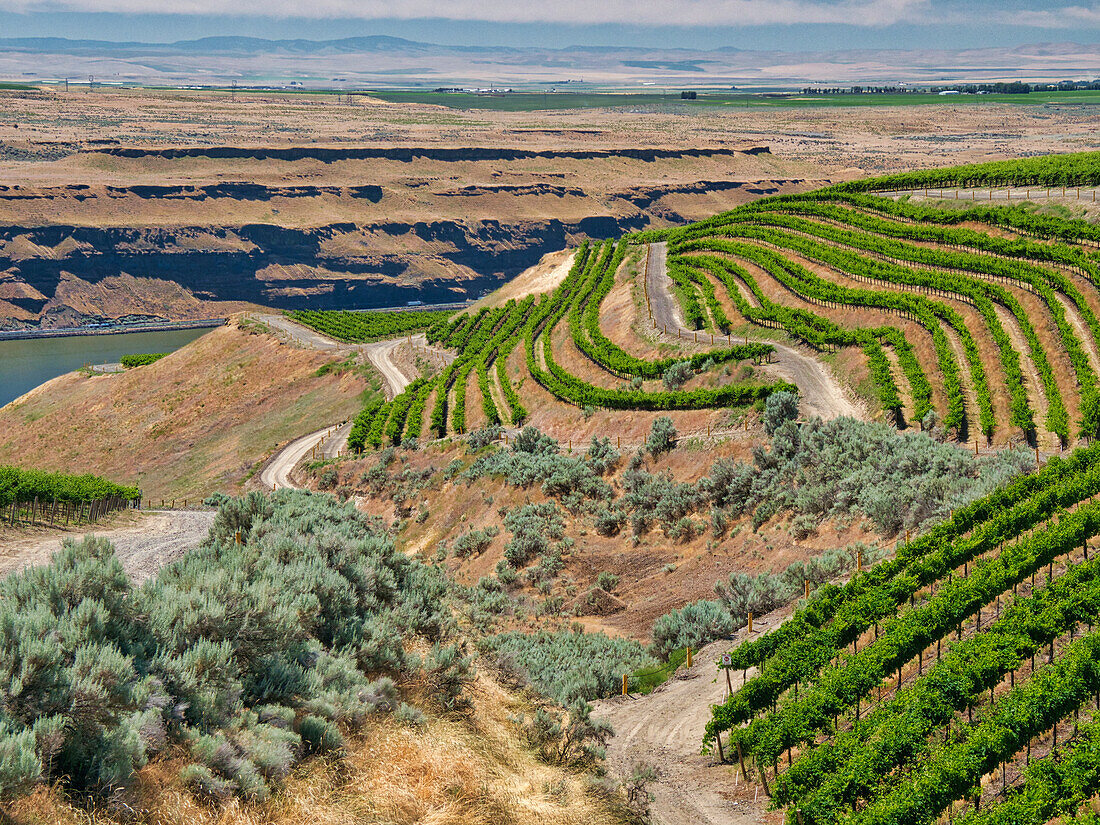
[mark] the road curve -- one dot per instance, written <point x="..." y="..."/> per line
<point x="380" y="354"/>
<point x="301" y="335"/>
<point x="820" y="393"/>
<point x="276" y="475"/>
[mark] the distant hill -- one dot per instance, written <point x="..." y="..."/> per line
<point x="397" y="62"/>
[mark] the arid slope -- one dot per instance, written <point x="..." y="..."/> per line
<point x="195" y="422"/>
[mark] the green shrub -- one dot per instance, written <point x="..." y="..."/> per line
<point x="567" y="666"/>
<point x="662" y="437"/>
<point x="245" y="655"/>
<point x="480" y="439"/>
<point x="474" y="542"/>
<point x="677" y="375"/>
<point x="694" y="625"/>
<point x="607" y="581"/>
<point x="780" y="408"/>
<point x="131" y="361"/>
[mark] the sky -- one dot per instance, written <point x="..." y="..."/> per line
<point x="745" y="24"/>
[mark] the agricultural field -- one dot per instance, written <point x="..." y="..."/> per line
<point x="956" y="679"/>
<point x="978" y="319"/>
<point x="829" y="455"/>
<point x="485" y="340"/>
<point x="968" y="691"/>
<point x="552" y="101"/>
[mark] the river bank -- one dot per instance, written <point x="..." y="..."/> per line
<point x="28" y="363"/>
<point x="109" y="329"/>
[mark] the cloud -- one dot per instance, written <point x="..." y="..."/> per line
<point x="867" y="13"/>
<point x="1061" y="18"/>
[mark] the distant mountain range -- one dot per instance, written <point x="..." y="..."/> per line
<point x="396" y="62"/>
<point x="228" y="46"/>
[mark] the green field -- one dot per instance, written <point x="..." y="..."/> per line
<point x="533" y="101"/>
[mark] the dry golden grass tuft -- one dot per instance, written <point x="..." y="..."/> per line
<point x="469" y="770"/>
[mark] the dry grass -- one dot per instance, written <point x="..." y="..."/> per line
<point x="474" y="770"/>
<point x="192" y="423"/>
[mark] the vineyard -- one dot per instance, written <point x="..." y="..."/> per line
<point x="978" y="319"/>
<point x="20" y="486"/>
<point x="959" y="677"/>
<point x="958" y="681"/>
<point x="142" y="360"/>
<point x="985" y="316"/>
<point x="35" y="496"/>
<point x="364" y="327"/>
<point x="485" y="340"/>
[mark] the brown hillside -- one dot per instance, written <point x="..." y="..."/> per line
<point x="471" y="770"/>
<point x="193" y="423"/>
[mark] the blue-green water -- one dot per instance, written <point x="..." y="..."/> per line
<point x="27" y="363"/>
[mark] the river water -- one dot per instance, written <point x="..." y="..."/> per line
<point x="27" y="363"/>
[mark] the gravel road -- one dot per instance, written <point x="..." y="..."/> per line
<point x="152" y="539"/>
<point x="665" y="730"/>
<point x="820" y="393"/>
<point x="276" y="474"/>
<point x="380" y="354"/>
<point x="333" y="439"/>
<point x="300" y="335"/>
<point x="665" y="307"/>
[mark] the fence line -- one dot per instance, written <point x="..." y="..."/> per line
<point x="53" y="512"/>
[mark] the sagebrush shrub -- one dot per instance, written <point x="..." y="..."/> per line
<point x="662" y="436"/>
<point x="246" y="654"/>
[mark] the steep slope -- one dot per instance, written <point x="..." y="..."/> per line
<point x="195" y="422"/>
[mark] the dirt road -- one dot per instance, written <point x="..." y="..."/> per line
<point x="820" y="393"/>
<point x="665" y="307"/>
<point x="665" y="730"/>
<point x="283" y="327"/>
<point x="145" y="543"/>
<point x="276" y="475"/>
<point x="380" y="354"/>
<point x="333" y="439"/>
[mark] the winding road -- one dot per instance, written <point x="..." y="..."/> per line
<point x="276" y="474"/>
<point x="150" y="539"/>
<point x="820" y="393"/>
<point x="380" y="354"/>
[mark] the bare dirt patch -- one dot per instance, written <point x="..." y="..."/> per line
<point x="144" y="542"/>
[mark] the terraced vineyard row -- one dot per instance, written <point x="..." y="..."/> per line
<point x="362" y="327"/>
<point x="990" y="316"/>
<point x="900" y="694"/>
<point x="959" y="680"/>
<point x="484" y="340"/>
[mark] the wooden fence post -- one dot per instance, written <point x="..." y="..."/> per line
<point x="741" y="761"/>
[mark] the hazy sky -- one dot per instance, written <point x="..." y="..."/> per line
<point x="746" y="24"/>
